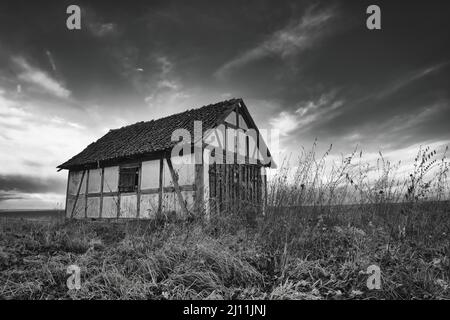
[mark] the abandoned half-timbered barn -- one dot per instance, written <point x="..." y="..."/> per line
<point x="145" y="169"/>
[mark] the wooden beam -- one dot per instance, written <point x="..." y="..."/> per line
<point x="220" y="184"/>
<point x="85" y="195"/>
<point x="119" y="161"/>
<point x="265" y="191"/>
<point x="101" y="192"/>
<point x="225" y="174"/>
<point x="161" y="170"/>
<point x="236" y="137"/>
<point x="224" y="199"/>
<point x="177" y="187"/>
<point x="199" y="185"/>
<point x="78" y="194"/>
<point x="259" y="188"/>
<point x="239" y="185"/>
<point x="258" y="161"/>
<point x="213" y="190"/>
<point x="186" y="187"/>
<point x="67" y="193"/>
<point x="104" y="194"/>
<point x="138" y="196"/>
<point x="118" y="193"/>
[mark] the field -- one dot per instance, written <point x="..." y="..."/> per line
<point x="32" y="215"/>
<point x="312" y="243"/>
<point x="323" y="258"/>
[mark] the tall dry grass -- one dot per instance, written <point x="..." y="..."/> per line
<point x="322" y="228"/>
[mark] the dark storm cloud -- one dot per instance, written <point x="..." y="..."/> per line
<point x="30" y="184"/>
<point x="390" y="88"/>
<point x="8" y="196"/>
<point x="416" y="104"/>
<point x="308" y="68"/>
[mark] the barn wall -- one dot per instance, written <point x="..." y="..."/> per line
<point x="149" y="204"/>
<point x="111" y="179"/>
<point x="128" y="206"/>
<point x="104" y="202"/>
<point x="73" y="187"/>
<point x="150" y="174"/>
<point x="109" y="207"/>
<point x="184" y="166"/>
<point x="95" y="181"/>
<point x="79" y="210"/>
<point x="74" y="182"/>
<point x="171" y="204"/>
<point x="93" y="207"/>
<point x="189" y="199"/>
<point x="99" y="196"/>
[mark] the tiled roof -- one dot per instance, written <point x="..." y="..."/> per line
<point x="150" y="136"/>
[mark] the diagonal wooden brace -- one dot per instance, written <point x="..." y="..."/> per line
<point x="177" y="187"/>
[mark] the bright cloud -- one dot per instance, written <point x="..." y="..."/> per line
<point x="166" y="91"/>
<point x="291" y="40"/>
<point x="285" y="122"/>
<point x="102" y="29"/>
<point x="307" y="113"/>
<point x="410" y="78"/>
<point x="32" y="145"/>
<point x="325" y="107"/>
<point x="40" y="79"/>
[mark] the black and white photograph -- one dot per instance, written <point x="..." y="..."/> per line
<point x="225" y="154"/>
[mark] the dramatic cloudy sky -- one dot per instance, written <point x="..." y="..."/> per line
<point x="310" y="69"/>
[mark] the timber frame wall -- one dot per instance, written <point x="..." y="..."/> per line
<point x="197" y="187"/>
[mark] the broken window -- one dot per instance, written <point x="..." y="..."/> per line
<point x="128" y="179"/>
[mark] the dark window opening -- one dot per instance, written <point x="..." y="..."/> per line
<point x="128" y="179"/>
